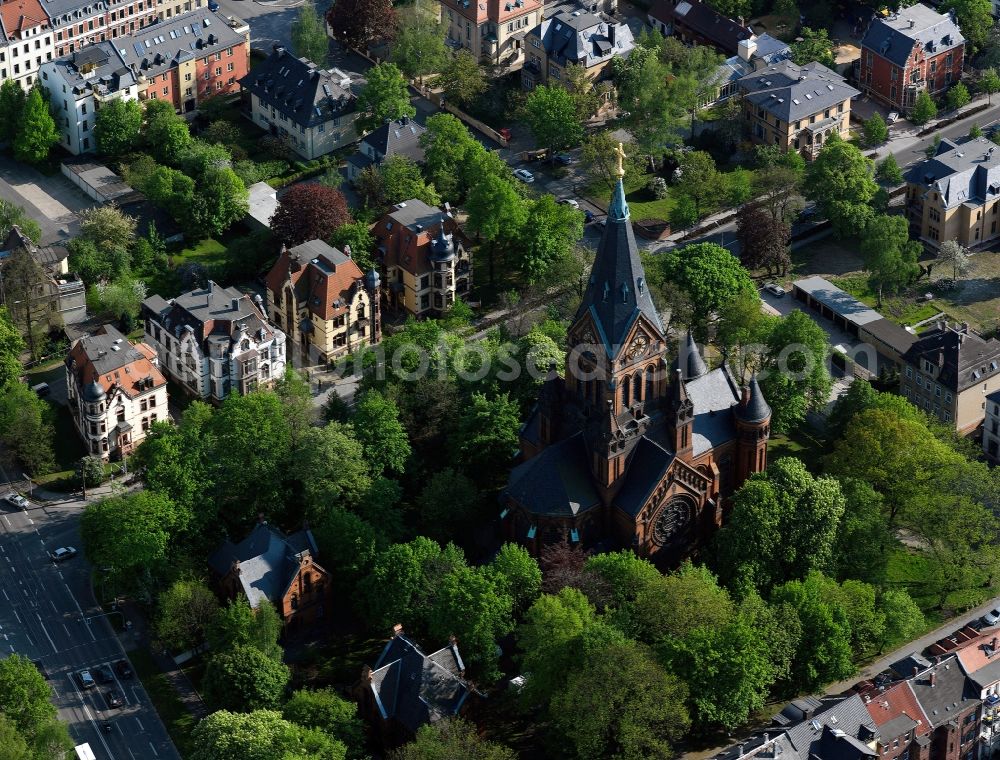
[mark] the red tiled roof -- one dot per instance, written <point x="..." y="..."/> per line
<point x="499" y="11"/>
<point x="22" y="14"/>
<point x="324" y="283"/>
<point x="128" y="376"/>
<point x="896" y="702"/>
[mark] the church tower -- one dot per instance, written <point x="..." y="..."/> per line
<point x="753" y="428"/>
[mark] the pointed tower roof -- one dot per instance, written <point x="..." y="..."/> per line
<point x="694" y="365"/>
<point x="755" y="408"/>
<point x="617" y="292"/>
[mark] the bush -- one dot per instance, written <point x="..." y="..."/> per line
<point x="91" y="471"/>
<point x="658" y="187"/>
<point x="252" y="172"/>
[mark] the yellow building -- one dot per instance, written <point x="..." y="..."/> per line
<point x="796" y="107"/>
<point x="325" y="305"/>
<point x="493" y="30"/>
<point x="954" y="196"/>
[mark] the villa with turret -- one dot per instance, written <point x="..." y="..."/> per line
<point x="631" y="448"/>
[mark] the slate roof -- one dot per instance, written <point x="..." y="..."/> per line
<point x="557" y="481"/>
<point x="769" y="50"/>
<point x="414" y="688"/>
<point x="48" y="257"/>
<point x="109" y="359"/>
<point x="397" y="138"/>
<point x="895" y="37"/>
<point x="756" y="409"/>
<point x="159" y="47"/>
<point x="792" y="92"/>
<point x="108" y="72"/>
<point x="950" y="694"/>
<point x="701" y="18"/>
<point x="269" y="561"/>
<point x="582" y="38"/>
<point x="962" y="171"/>
<point x="298" y="88"/>
<point x="323" y="277"/>
<point x="646" y="466"/>
<point x="965" y="358"/>
<point x="617" y="292"/>
<point x="713" y="396"/>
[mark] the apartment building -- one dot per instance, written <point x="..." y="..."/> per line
<point x="916" y="49"/>
<point x="58" y="300"/>
<point x="796" y="107"/>
<point x="696" y="23"/>
<point x="79" y="84"/>
<point x="115" y="392"/>
<point x="167" y="9"/>
<point x="492" y="30"/>
<point x="214" y="341"/>
<point x="26" y="42"/>
<point x="955" y="194"/>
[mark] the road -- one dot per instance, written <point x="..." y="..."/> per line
<point x="910" y="150"/>
<point x="46" y="614"/>
<point x="53" y="201"/>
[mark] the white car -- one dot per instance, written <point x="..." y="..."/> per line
<point x="992" y="617"/>
<point x="570" y="202"/>
<point x="16" y="500"/>
<point x="893" y="117"/>
<point x="775" y="290"/>
<point x="524" y="175"/>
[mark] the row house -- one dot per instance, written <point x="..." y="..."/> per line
<point x="28" y="41"/>
<point x="77" y="23"/>
<point x="79" y="84"/>
<point x="327" y="307"/>
<point x="115" y="392"/>
<point x="991" y="428"/>
<point x="914" y="50"/>
<point x="492" y="30"/>
<point x="167" y="9"/>
<point x="214" y="341"/>
<point x="425" y="262"/>
<point x="980" y="659"/>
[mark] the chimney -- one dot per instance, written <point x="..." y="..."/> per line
<point x="236" y="567"/>
<point x="453" y="640"/>
<point x="745" y="399"/>
<point x="397" y="630"/>
<point x="993" y="643"/>
<point x="933" y="678"/>
<point x="236" y="304"/>
<point x="612" y="30"/>
<point x="747" y="48"/>
<point x="347" y="251"/>
<point x="965" y="327"/>
<point x="260" y="519"/>
<point x="366" y="674"/>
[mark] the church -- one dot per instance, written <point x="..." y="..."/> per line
<point x="631" y="449"/>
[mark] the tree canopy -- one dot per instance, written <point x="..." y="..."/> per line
<point x="385" y="97"/>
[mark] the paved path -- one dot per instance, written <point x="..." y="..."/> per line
<point x="52" y="201"/>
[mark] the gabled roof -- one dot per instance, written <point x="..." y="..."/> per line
<point x="582" y="38"/>
<point x="557" y="481"/>
<point x="713" y="396"/>
<point x="897" y="712"/>
<point x="964" y="358"/>
<point x="943" y="691"/>
<point x="701" y="18"/>
<point x="323" y="277"/>
<point x="792" y="92"/>
<point x="299" y="89"/>
<point x="397" y="138"/>
<point x="109" y="359"/>
<point x="18" y="16"/>
<point x="268" y="561"/>
<point x="414" y="688"/>
<point x="918" y="26"/>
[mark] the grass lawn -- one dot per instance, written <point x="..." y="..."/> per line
<point x="976" y="298"/>
<point x="909" y="569"/>
<point x="641" y="203"/>
<point x="172" y="712"/>
<point x="207" y="252"/>
<point x="903" y="309"/>
<point x="798" y="443"/>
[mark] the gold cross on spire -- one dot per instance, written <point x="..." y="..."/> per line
<point x="620" y="156"/>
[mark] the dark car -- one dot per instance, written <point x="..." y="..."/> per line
<point x="103" y="674"/>
<point x="113" y="698"/>
<point x="123" y="669"/>
<point x="213" y="6"/>
<point x="564" y="159"/>
<point x="62" y="554"/>
<point x="85" y="680"/>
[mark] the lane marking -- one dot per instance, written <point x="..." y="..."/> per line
<point x="129" y="749"/>
<point x="30" y="521"/>
<point x="154" y="749"/>
<point x="82" y="616"/>
<point x="141" y="727"/>
<point x="68" y="634"/>
<point x="54" y="608"/>
<point x="7" y="521"/>
<point x="90" y="717"/>
<point x="18" y="617"/>
<point x="45" y="631"/>
<point x="5" y="594"/>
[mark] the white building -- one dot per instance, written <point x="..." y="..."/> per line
<point x="79" y="84"/>
<point x="213" y="341"/>
<point x="27" y="40"/>
<point x="115" y="391"/>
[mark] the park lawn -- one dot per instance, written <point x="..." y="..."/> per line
<point x="913" y="571"/>
<point x="206" y="252"/>
<point x="798" y="443"/>
<point x="641" y="202"/>
<point x="175" y="716"/>
<point x="902" y="309"/>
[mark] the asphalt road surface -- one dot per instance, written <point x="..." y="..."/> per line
<point x="46" y="614"/>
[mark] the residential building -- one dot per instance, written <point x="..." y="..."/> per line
<point x="214" y="341"/>
<point x="407" y="689"/>
<point x="755" y="53"/>
<point x="952" y="707"/>
<point x="313" y="108"/>
<point x="991" y="428"/>
<point x="425" y="263"/>
<point x="914" y="50"/>
<point x="268" y="565"/>
<point x="811" y="728"/>
<point x="622" y="451"/>
<point x="60" y="299"/>
<point x="492" y="30"/>
<point x="115" y="392"/>
<point x="903" y="728"/>
<point x="698" y="23"/>
<point x="397" y="138"/>
<point x="166" y="9"/>
<point x="78" y="23"/>
<point x="79" y="84"/>
<point x="949" y="371"/>
<point x="325" y="304"/>
<point x="27" y="40"/>
<point x="190" y="58"/>
<point x="981" y="663"/>
<point x="796" y="107"/>
<point x="956" y="194"/>
<point x="573" y="37"/>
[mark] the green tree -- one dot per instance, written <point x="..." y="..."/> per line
<point x="309" y="38"/>
<point x="796" y="353"/>
<point x="462" y="79"/>
<point x="516" y="573"/>
<point x="598" y="160"/>
<point x="167" y="134"/>
<point x="876" y="131"/>
<point x="957" y="96"/>
<point x="377" y="427"/>
<point x="975" y="19"/>
<point x="551" y="115"/>
<point x="677" y="604"/>
<point x="989" y="82"/>
<point x="27" y="717"/>
<point x="889" y="254"/>
<point x="333" y="467"/>
<point x="863" y="539"/>
<point x="626" y="574"/>
<point x="496" y="213"/>
<point x="783" y="525"/>
<point x="448" y="504"/>
<point x="359" y="237"/>
<point x="548" y="234"/>
<point x="348" y="546"/>
<point x="36" y="130"/>
<point x="839" y="181"/>
<point x="699" y="179"/>
<point x="117" y="127"/>
<point x="684" y="213"/>
<point x="121" y="299"/>
<point x="813" y="45"/>
<point x="397" y="179"/>
<point x="452" y="738"/>
<point x="634" y="708"/>
<point x="953" y="254"/>
<point x="975" y="131"/>
<point x="184" y="610"/>
<point x="220" y="201"/>
<point x="419" y="47"/>
<point x="244" y="679"/>
<point x="237" y="624"/>
<point x="709" y="274"/>
<point x="888" y="172"/>
<point x="924" y="109"/>
<point x="12" y="100"/>
<point x="108" y="227"/>
<point x="326" y="710"/>
<point x="487" y="437"/>
<point x="903" y="618"/>
<point x="11" y="214"/>
<point x="385" y="97"/>
<point x="260" y="735"/>
<point x="447" y="143"/>
<point x="11" y="348"/>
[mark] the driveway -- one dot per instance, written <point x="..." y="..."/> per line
<point x="53" y="201"/>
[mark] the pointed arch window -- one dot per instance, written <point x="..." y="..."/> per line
<point x="626" y="387"/>
<point x="637" y="387"/>
<point x="650" y="384"/>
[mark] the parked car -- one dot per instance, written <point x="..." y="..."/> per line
<point x="85" y="680"/>
<point x="524" y="175"/>
<point x="103" y="674"/>
<point x="41" y="390"/>
<point x="62" y="554"/>
<point x="16" y="500"/>
<point x="123" y="669"/>
<point x="992" y="617"/>
<point x="113" y="699"/>
<point x="775" y="290"/>
<point x="570" y="202"/>
<point x="565" y="159"/>
<point x="893" y="117"/>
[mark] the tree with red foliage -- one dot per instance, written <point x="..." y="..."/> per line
<point x="309" y="212"/>
<point x="358" y="23"/>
